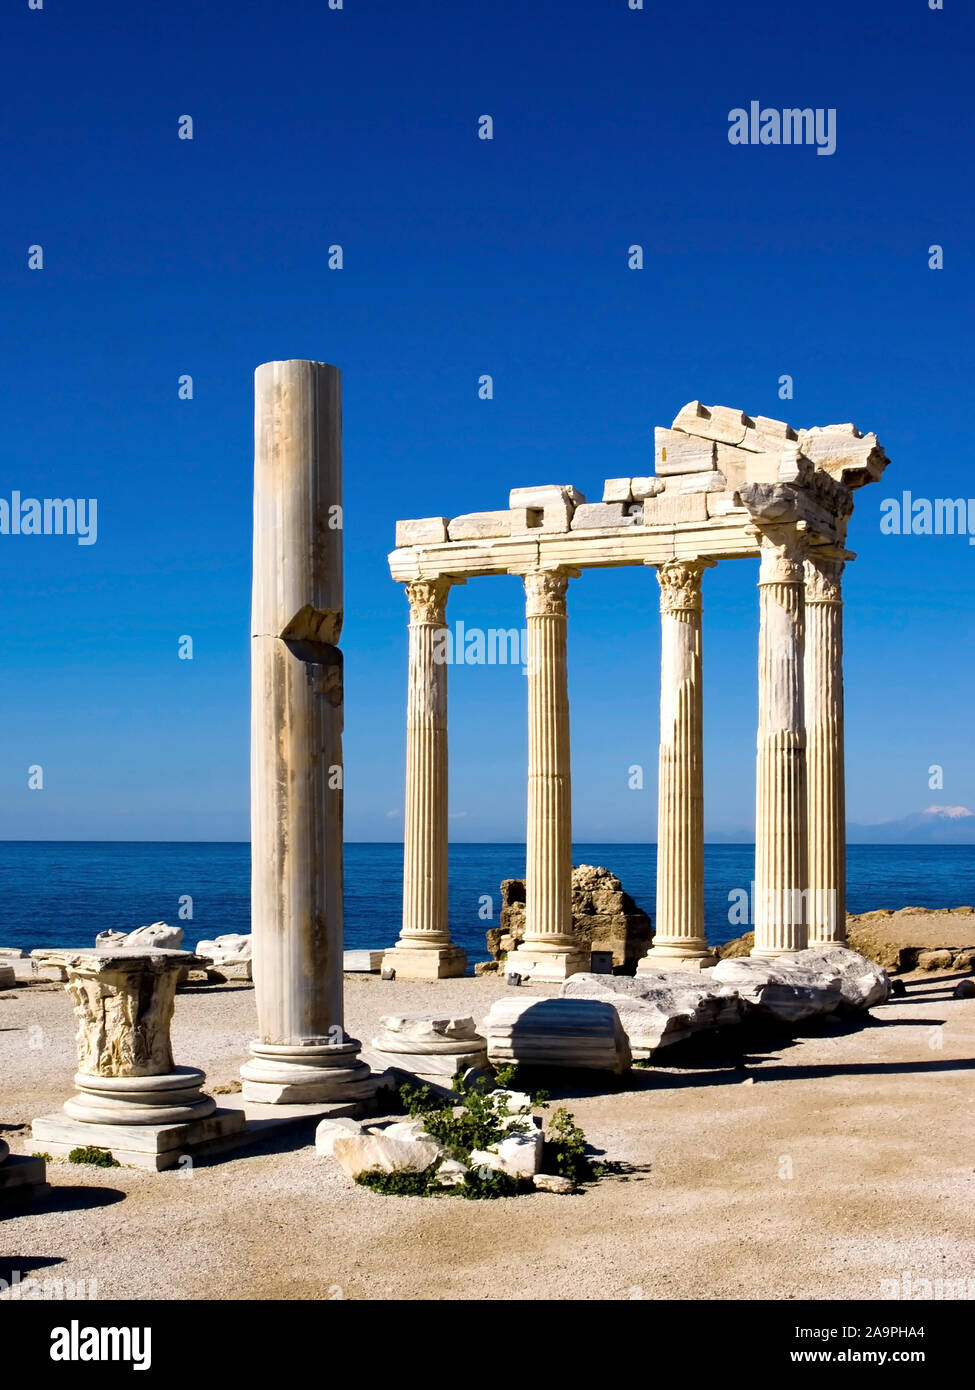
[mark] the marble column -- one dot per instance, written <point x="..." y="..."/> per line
<point x="302" y="1054"/>
<point x="781" y="877"/>
<point x="679" y="940"/>
<point x="549" y="951"/>
<point x="424" y="950"/>
<point x="824" y="749"/>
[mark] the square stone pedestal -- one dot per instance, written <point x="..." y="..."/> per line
<point x="22" y="1176"/>
<point x="156" y="1147"/>
<point x="545" y="966"/>
<point x="426" y="963"/>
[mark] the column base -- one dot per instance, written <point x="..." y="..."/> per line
<point x="169" y="1099"/>
<point x="426" y="962"/>
<point x="666" y="957"/>
<point x="153" y="1146"/>
<point x="532" y="963"/>
<point x="771" y="952"/>
<point x="306" y="1074"/>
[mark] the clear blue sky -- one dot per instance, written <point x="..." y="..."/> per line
<point x="311" y="127"/>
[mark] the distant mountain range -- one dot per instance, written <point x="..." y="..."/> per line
<point x="936" y="825"/>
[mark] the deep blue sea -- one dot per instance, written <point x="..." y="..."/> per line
<point x="61" y="893"/>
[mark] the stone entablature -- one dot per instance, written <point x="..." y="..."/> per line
<point x="717" y="473"/>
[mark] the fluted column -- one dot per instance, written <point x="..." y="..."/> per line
<point x="424" y="950"/>
<point x="781" y="877"/>
<point x="824" y="749"/>
<point x="679" y="939"/>
<point x="302" y="1053"/>
<point x="549" y="950"/>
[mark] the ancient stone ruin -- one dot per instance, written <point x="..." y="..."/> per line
<point x="604" y="918"/>
<point x="725" y="486"/>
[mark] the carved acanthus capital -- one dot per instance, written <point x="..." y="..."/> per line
<point x="823" y="578"/>
<point x="783" y="551"/>
<point x="428" y="600"/>
<point x="545" y="592"/>
<point x="680" y="585"/>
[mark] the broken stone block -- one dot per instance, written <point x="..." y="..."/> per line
<point x="662" y="1008"/>
<point x="674" y="452"/>
<point x="617" y="490"/>
<point x="361" y="1153"/>
<point x="480" y="526"/>
<point x="573" y="1033"/>
<point x="521" y="1154"/>
<point x="844" y="453"/>
<point x="718" y="422"/>
<point x="331" y="1129"/>
<point x="646" y="487"/>
<point x="425" y="530"/>
<point x="778" y="986"/>
<point x="592" y="514"/>
<point x="551" y="1182"/>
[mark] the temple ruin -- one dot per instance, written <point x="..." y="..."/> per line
<point x="725" y="487"/>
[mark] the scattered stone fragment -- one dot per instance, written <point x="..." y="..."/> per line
<point x="451" y="1173"/>
<point x="551" y="1182"/>
<point x="360" y="1153"/>
<point x="330" y="1130"/>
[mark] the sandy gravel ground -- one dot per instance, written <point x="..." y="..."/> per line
<point x="874" y="1124"/>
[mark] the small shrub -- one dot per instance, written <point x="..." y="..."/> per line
<point x="486" y="1184"/>
<point x="48" y="1158"/>
<point x="403" y="1183"/>
<point x="98" y="1158"/>
<point x="565" y="1149"/>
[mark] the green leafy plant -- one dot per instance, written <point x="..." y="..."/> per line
<point x="403" y="1183"/>
<point x="98" y="1158"/>
<point x="565" y="1149"/>
<point x="48" y="1158"/>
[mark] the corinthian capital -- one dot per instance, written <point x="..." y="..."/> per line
<point x="823" y="580"/>
<point x="545" y="592"/>
<point x="680" y="585"/>
<point x="428" y="600"/>
<point x="783" y="550"/>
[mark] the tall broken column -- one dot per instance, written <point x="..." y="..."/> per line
<point x="424" y="950"/>
<point x="679" y="939"/>
<point x="781" y="862"/>
<point x="302" y="1054"/>
<point x="826" y="911"/>
<point x="549" y="950"/>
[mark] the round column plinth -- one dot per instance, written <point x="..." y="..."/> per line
<point x="306" y="1074"/>
<point x="171" y="1098"/>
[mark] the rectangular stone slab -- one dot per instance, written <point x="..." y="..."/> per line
<point x="371" y="962"/>
<point x="155" y="1147"/>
